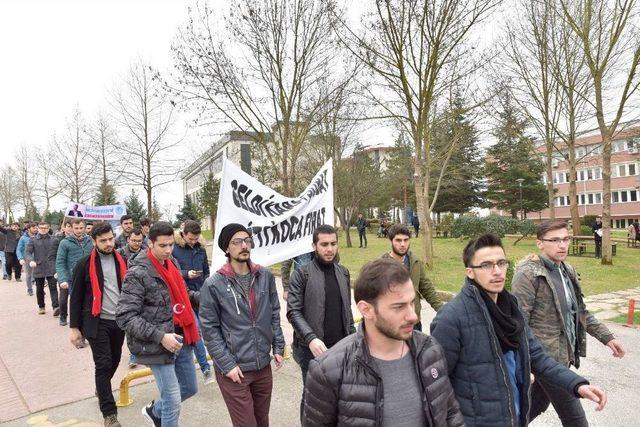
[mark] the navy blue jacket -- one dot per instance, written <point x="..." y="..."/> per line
<point x="476" y="366"/>
<point x="191" y="258"/>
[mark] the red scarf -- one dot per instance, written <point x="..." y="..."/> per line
<point x="181" y="306"/>
<point x="96" y="307"/>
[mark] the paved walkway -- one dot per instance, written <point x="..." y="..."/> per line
<point x="44" y="381"/>
<point x="608" y="306"/>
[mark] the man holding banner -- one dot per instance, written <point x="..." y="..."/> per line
<point x="240" y="317"/>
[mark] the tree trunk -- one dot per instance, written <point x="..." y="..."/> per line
<point x="345" y="225"/>
<point x="549" y="171"/>
<point x="573" y="191"/>
<point x="607" y="256"/>
<point x="212" y="220"/>
<point x="424" y="216"/>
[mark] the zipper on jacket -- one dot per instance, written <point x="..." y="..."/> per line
<point x="500" y="362"/>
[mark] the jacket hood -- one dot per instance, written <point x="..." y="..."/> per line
<point x="73" y="239"/>
<point x="227" y="271"/>
<point x="179" y="239"/>
<point x="533" y="263"/>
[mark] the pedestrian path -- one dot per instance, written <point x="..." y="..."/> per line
<point x="608" y="306"/>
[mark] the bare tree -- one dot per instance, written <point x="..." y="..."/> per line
<point x="48" y="186"/>
<point x="9" y="194"/>
<point x="146" y="116"/>
<point x="610" y="40"/>
<point x="72" y="164"/>
<point x="107" y="158"/>
<point x="260" y="74"/>
<point x="528" y="51"/>
<point x="416" y="50"/>
<point x="27" y="175"/>
<point x="569" y="69"/>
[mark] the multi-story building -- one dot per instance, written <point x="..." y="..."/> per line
<point x="625" y="178"/>
<point x="234" y="145"/>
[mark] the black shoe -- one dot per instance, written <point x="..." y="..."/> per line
<point x="56" y="312"/>
<point x="63" y="322"/>
<point x="147" y="412"/>
<point x="30" y="293"/>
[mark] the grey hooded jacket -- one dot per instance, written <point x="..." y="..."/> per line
<point x="235" y="332"/>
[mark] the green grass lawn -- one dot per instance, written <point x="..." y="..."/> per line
<point x="448" y="270"/>
<point x="623" y="318"/>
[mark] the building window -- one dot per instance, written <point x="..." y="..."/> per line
<point x="622" y="170"/>
<point x="633" y="196"/>
<point x="598" y="198"/>
<point x="632" y="169"/>
<point x="615" y="197"/>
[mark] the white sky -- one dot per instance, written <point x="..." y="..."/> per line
<point x="66" y="53"/>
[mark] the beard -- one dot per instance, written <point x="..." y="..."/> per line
<point x="393" y="249"/>
<point x="388" y="331"/>
<point x="109" y="251"/>
<point x="241" y="257"/>
<point x="322" y="261"/>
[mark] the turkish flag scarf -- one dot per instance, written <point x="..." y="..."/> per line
<point x="96" y="306"/>
<point x="180" y="304"/>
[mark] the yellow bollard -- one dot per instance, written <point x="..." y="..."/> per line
<point x="123" y="398"/>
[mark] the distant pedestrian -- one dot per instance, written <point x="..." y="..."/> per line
<point x="597" y="236"/>
<point x="12" y="266"/>
<point x="31" y="231"/>
<point x="126" y="223"/>
<point x="3" y="260"/>
<point x="71" y="250"/>
<point x="415" y="221"/>
<point x="361" y="225"/>
<point x="37" y="256"/>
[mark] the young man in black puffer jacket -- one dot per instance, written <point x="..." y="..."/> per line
<point x="386" y="374"/>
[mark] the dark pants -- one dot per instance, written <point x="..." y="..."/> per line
<point x="302" y="355"/>
<point x="417" y="229"/>
<point x="53" y="291"/>
<point x="598" y="241"/>
<point x="13" y="265"/>
<point x="64" y="303"/>
<point x="106" y="349"/>
<point x="248" y="402"/>
<point x="418" y="327"/>
<point x="363" y="236"/>
<point x="567" y="406"/>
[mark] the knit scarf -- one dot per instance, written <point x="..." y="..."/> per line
<point x="507" y="325"/>
<point x="96" y="307"/>
<point x="181" y="306"/>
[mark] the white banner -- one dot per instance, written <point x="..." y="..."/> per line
<point x="95" y="213"/>
<point x="282" y="226"/>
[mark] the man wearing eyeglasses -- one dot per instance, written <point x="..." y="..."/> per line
<point x="548" y="291"/>
<point x="490" y="350"/>
<point x="240" y="317"/>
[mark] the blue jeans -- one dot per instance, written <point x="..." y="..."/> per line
<point x="3" y="264"/>
<point x="201" y="351"/>
<point x="176" y="382"/>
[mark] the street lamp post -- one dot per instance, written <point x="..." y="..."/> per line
<point x="520" y="180"/>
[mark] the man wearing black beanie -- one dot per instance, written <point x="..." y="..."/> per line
<point x="237" y="304"/>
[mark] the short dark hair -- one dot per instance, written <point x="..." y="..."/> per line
<point x="191" y="226"/>
<point x="145" y="221"/>
<point x="488" y="240"/>
<point x="123" y="218"/>
<point x="77" y="221"/>
<point x="377" y="277"/>
<point x="136" y="231"/>
<point x="551" y="225"/>
<point x="323" y="229"/>
<point x="32" y="224"/>
<point x="161" y="228"/>
<point x="396" y="229"/>
<point x="43" y="223"/>
<point x="100" y="228"/>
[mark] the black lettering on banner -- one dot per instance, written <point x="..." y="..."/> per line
<point x="291" y="229"/>
<point x="264" y="206"/>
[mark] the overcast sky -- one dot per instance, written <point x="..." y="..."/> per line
<point x="63" y="53"/>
